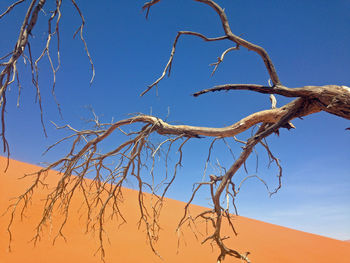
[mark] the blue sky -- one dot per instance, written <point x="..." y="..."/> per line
<point x="307" y="40"/>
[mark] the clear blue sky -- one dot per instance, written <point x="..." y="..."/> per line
<point x="309" y="42"/>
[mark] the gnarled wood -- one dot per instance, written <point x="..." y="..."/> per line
<point x="127" y="159"/>
<point x="333" y="99"/>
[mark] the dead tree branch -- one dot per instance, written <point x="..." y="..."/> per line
<point x="9" y="68"/>
<point x="8" y="10"/>
<point x="221" y="58"/>
<point x="228" y="35"/>
<point x="168" y="65"/>
<point x="134" y="157"/>
<point x="329" y="98"/>
<point x="85" y="156"/>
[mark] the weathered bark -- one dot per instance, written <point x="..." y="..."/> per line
<point x="333" y="99"/>
<point x="114" y="167"/>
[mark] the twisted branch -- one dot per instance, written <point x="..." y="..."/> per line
<point x="228" y="35"/>
<point x="137" y="151"/>
<point x="168" y="65"/>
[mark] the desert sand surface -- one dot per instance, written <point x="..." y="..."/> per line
<point x="266" y="243"/>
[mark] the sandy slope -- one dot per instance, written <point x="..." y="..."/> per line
<point x="266" y="242"/>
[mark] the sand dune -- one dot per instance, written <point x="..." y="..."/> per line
<point x="265" y="242"/>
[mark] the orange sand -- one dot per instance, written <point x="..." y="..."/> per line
<point x="267" y="243"/>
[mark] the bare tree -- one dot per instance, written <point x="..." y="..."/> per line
<point x="135" y="157"/>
